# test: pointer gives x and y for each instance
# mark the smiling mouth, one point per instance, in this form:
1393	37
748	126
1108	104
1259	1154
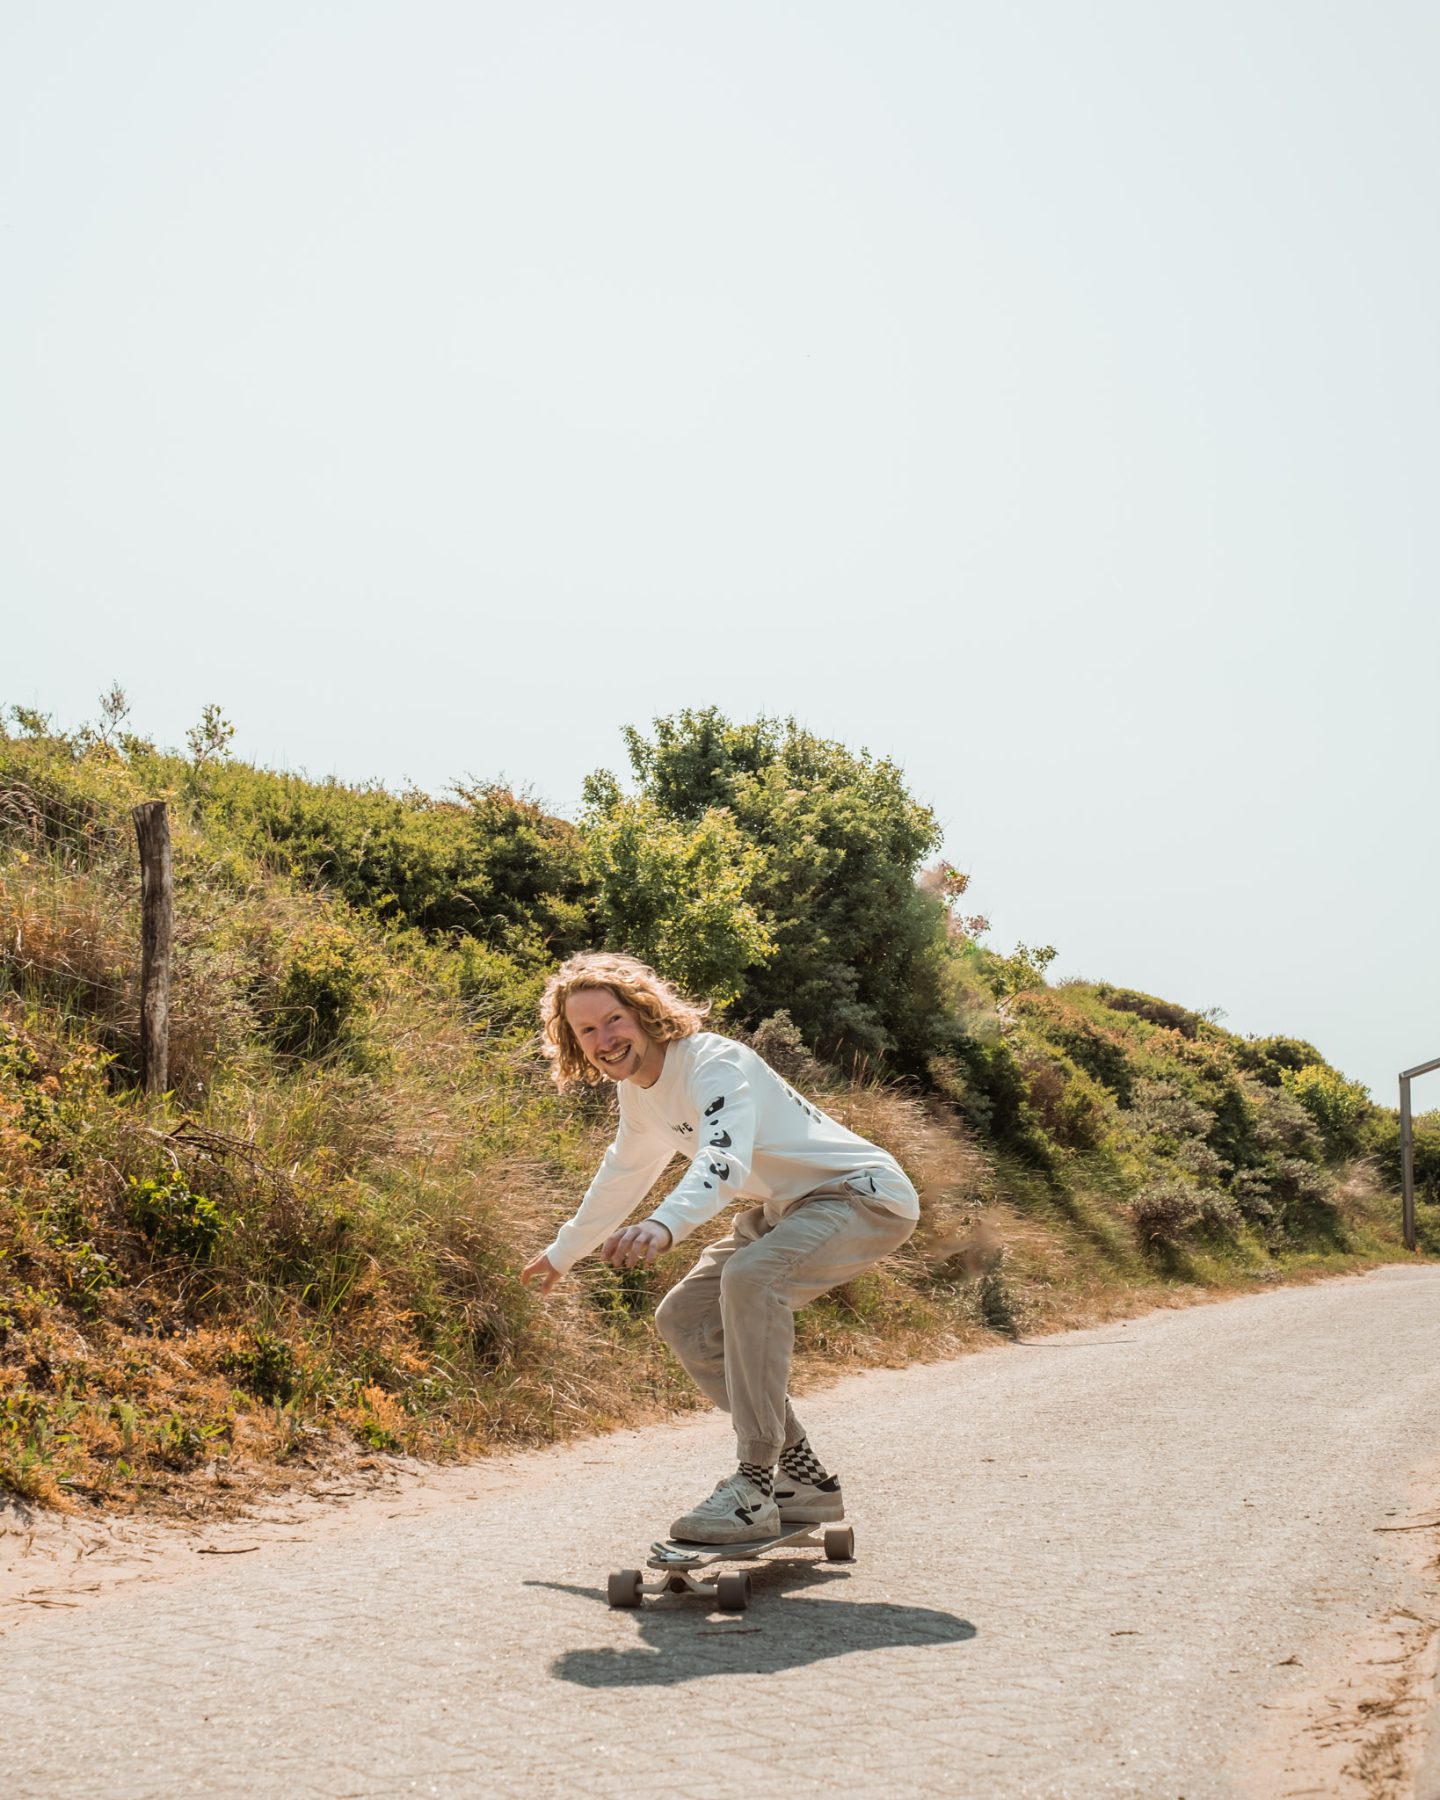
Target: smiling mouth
616	1056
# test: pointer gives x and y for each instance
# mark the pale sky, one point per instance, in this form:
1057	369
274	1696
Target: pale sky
1046	396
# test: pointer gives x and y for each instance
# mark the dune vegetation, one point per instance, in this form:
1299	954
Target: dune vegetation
308	1248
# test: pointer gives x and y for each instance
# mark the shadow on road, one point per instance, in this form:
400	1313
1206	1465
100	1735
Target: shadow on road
681	1641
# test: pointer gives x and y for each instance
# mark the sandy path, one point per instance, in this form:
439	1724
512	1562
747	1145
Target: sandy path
1141	1560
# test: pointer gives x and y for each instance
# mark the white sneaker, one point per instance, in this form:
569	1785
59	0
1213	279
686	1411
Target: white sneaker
808	1502
736	1513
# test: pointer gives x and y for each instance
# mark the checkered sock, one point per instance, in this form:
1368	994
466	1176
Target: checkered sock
801	1463
763	1477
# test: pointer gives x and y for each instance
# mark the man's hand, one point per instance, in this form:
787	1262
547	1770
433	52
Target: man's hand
637	1246
542	1271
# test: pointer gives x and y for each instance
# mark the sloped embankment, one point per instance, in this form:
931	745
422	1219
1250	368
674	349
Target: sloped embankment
309	1248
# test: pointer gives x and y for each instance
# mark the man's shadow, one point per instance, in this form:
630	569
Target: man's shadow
680	1642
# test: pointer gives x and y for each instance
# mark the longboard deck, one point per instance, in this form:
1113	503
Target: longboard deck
669	1553
680	1564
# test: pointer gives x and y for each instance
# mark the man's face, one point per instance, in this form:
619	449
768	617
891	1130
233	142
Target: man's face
612	1037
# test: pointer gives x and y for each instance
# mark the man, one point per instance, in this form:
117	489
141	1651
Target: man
825	1206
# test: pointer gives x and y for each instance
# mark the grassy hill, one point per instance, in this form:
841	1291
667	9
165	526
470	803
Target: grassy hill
309	1247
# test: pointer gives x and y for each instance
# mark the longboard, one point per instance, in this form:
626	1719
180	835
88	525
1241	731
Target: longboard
678	1563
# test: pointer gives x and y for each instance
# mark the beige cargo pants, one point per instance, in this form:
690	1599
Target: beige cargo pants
731	1321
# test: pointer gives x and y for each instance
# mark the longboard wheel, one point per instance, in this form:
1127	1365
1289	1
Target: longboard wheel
733	1592
624	1588
840	1543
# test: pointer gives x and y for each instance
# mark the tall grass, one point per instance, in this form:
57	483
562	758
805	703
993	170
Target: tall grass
311	1245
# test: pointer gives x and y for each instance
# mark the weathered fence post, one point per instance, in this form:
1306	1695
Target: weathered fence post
152	832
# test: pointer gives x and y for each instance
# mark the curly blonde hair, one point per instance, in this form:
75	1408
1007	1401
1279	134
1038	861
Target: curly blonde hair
664	1013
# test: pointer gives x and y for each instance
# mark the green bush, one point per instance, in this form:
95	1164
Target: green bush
837	842
676	892
326	975
1100	1049
1071	1106
267	1368
499	989
1337	1106
1145	1006
176	1221
1268	1058
1382	1140
983	1079
1165	1211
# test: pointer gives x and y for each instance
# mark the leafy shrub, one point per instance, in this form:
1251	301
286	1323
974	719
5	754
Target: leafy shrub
1167	1211
498	988
1165	1112
837	841
1283	1127
1159	1012
675	892
1100	1050
327	972
1071	1106
1337	1106
177	1222
778	1040
984	1079
1253	1193
995	1302
1382	1140
267	1368
1022	972
488	862
1268	1058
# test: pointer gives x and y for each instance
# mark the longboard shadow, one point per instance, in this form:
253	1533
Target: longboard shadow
681	1642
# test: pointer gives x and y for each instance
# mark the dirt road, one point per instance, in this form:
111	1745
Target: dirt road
1185	1556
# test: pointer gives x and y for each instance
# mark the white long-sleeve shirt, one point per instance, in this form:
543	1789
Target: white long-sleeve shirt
749	1136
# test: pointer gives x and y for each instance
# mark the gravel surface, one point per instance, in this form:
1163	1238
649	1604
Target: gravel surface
1141	1560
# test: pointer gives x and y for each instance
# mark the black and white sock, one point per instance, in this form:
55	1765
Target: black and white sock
762	1475
801	1463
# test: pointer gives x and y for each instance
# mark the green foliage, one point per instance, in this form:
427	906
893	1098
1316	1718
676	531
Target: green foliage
1072	1108
176	1221
490	863
328	971
1337	1106
1020	972
838	841
983	1078
1146	1006
1092	1042
498	990
1381	1139
1167	1212
267	1367
1268	1059
209	741
674	892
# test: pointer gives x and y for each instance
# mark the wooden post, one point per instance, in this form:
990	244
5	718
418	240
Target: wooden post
152	832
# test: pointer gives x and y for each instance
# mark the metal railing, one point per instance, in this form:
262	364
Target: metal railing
1407	1147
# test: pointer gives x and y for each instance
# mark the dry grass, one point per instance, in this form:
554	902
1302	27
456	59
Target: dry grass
375	1201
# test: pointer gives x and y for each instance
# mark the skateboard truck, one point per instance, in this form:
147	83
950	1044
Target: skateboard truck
677	1564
